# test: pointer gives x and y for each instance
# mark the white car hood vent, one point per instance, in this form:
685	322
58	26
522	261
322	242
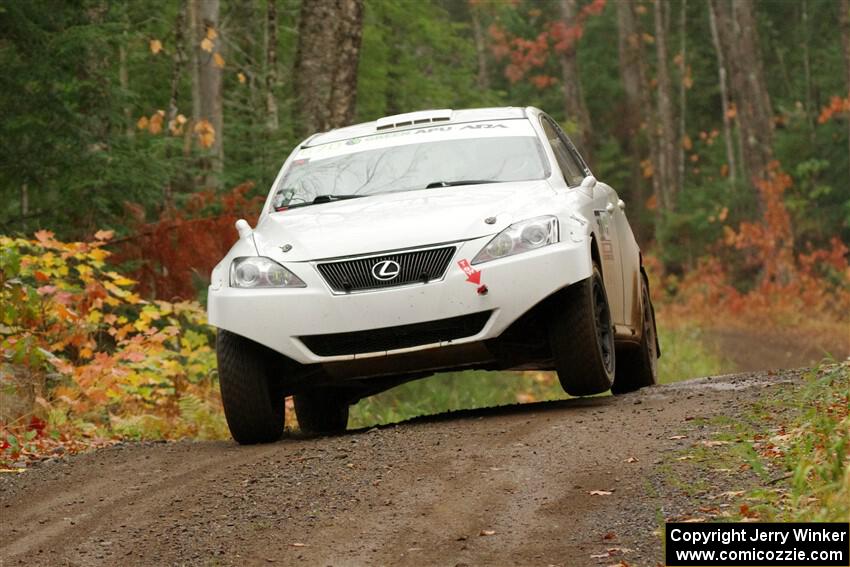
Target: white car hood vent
386	270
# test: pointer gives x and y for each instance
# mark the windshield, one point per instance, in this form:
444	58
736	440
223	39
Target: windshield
409	165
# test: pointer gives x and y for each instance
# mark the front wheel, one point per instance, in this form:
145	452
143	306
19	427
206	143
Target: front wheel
581	336
638	364
253	403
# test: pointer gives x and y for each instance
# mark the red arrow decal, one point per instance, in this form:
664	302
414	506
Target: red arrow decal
472	275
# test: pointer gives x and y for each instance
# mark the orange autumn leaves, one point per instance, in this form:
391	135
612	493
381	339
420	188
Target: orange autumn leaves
120	364
526	55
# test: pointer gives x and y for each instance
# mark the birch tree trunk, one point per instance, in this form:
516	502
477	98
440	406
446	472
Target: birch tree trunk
736	29
574	106
731	161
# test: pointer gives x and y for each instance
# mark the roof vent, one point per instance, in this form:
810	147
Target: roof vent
420	118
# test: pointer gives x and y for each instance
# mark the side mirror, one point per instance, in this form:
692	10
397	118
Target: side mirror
243	228
588	183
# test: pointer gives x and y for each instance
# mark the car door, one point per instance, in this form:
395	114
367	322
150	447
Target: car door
603	204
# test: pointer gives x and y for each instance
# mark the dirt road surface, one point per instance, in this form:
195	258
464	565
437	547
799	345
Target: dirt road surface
504	486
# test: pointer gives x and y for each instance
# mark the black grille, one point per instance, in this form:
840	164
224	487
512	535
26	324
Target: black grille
416	266
391	338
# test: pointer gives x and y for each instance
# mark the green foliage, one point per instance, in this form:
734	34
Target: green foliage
684	355
455	391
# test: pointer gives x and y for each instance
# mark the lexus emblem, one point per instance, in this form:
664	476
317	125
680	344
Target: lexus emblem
386	270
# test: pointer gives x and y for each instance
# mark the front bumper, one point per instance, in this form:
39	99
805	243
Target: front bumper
277	318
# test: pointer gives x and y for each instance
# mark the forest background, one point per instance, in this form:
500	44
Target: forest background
134	134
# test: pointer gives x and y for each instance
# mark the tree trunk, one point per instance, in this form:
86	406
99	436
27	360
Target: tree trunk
574	106
845	41
349	34
667	135
195	36
314	64
638	113
209	76
731	162
738	36
483	77
124	82
177	64
807	72
272	120
683	91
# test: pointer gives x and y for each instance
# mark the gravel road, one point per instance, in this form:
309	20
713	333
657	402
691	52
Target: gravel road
520	485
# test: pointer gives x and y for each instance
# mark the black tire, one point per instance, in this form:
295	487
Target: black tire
253	401
637	365
581	336
321	411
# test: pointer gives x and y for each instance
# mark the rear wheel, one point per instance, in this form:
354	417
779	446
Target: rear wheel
637	365
321	411
581	336
253	402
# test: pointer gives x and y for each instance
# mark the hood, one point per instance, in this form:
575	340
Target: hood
394	221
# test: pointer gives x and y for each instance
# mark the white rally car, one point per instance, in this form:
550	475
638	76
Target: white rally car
423	242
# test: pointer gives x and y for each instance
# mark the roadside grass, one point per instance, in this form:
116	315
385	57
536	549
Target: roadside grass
454	391
788	457
683	356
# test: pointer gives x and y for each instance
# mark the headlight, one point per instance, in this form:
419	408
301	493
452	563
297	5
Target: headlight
520	237
258	271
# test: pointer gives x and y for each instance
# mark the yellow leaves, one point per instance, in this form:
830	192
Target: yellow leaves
211	33
175	125
71	302
155	126
205	132
732	111
155	46
647	169
687	143
152	124
648	39
218	60
98	255
241	77
207	45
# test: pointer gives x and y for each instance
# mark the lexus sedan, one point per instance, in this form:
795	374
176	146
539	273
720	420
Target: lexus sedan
425	242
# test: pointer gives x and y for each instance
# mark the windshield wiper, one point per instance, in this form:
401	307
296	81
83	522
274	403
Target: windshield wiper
435	184
319	199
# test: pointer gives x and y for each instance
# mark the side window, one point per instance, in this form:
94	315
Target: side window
569	164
